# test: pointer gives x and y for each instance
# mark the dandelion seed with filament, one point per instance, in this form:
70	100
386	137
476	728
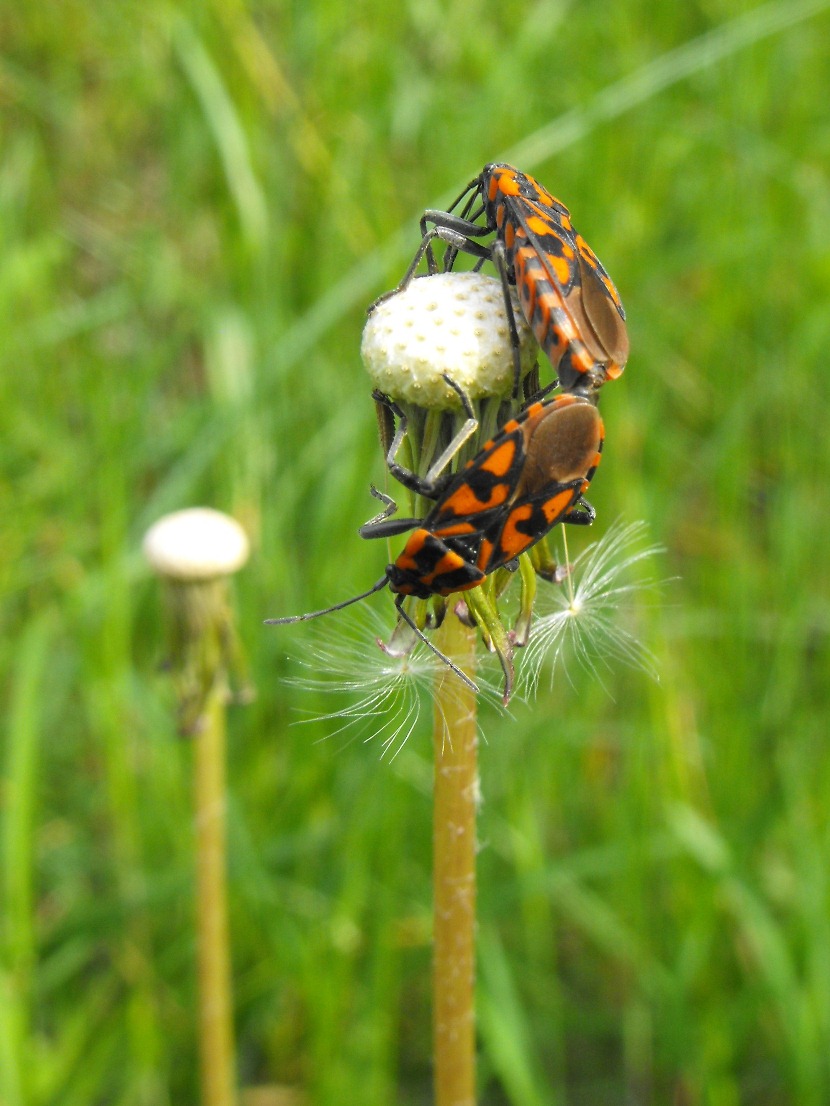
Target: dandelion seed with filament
392	691
585	622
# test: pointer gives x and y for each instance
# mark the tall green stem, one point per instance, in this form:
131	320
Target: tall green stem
215	1016
195	551
454	876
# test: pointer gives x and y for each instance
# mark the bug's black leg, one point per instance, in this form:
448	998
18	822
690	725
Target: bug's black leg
389	508
431	485
389	504
540	393
581	514
452	250
455	231
383	525
417	484
467	216
499	258
462	395
459	234
424	248
441	656
405	476
386	420
472	190
465	432
448	221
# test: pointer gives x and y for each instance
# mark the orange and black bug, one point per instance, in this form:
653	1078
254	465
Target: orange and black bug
566	294
524	481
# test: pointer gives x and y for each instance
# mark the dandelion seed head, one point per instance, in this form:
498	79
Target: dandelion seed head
449	322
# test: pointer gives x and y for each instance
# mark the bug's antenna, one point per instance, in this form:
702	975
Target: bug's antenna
382	582
441	656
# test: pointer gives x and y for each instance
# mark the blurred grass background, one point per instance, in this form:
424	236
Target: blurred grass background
197	202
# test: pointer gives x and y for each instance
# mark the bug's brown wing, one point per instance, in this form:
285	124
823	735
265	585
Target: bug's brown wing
600	319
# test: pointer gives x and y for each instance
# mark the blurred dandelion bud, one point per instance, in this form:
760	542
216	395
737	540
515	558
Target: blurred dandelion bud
194	551
196	544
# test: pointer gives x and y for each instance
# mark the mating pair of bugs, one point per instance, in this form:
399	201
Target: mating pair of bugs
533	473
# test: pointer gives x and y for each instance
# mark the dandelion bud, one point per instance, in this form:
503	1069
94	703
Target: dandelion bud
194	551
196	544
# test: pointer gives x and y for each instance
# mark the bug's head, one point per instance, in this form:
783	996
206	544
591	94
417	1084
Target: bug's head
406	581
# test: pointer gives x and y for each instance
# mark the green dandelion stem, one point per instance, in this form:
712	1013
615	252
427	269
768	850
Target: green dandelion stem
454	875
486	614
521	626
195	551
215	1007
